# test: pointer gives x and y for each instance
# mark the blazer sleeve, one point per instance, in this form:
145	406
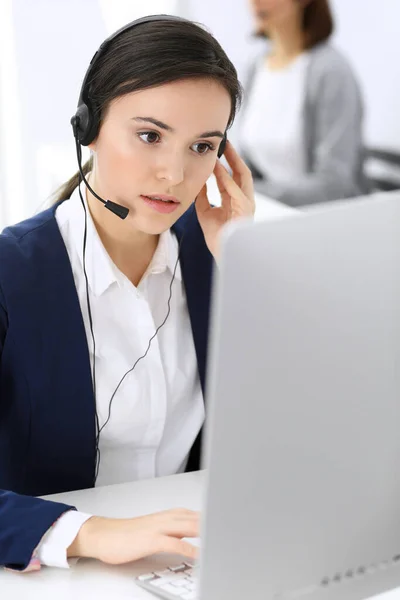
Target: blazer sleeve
3	326
336	147
23	519
23	522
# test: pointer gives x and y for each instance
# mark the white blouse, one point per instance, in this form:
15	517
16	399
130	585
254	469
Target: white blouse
271	131
158	410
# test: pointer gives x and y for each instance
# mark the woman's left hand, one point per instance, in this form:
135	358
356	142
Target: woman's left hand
237	195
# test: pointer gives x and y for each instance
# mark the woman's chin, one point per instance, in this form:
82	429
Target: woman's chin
154	224
261	28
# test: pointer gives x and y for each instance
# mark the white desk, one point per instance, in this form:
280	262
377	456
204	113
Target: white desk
91	579
266	208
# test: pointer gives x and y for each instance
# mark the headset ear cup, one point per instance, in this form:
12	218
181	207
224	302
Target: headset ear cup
87	125
80	123
222	146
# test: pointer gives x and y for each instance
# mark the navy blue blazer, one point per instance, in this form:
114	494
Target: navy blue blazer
47	406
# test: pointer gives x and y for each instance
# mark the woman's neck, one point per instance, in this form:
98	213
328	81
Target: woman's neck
287	44
129	249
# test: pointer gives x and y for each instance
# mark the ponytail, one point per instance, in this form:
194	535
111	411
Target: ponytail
65	190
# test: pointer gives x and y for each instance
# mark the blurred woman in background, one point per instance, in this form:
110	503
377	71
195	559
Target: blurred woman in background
301	125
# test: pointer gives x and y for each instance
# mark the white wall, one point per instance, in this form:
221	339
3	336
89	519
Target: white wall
44	57
51	49
230	22
368	31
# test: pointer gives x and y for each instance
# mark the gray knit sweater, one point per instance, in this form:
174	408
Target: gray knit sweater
333	114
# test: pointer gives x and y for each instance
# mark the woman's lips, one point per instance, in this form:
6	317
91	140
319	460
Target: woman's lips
167	205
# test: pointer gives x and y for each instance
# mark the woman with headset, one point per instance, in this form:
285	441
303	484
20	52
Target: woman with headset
104	299
301	125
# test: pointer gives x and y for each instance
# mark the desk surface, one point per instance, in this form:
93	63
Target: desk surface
91	579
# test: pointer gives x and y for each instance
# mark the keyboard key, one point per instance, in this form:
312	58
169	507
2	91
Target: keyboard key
159	582
189	571
181	582
163	573
190	584
176	582
168	578
146	577
168	587
178	568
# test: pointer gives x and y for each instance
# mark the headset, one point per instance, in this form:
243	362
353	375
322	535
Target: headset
85	125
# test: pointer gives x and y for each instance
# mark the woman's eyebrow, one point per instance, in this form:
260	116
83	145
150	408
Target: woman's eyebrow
161	125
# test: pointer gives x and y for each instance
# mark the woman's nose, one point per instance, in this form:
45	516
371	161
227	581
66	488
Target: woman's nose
171	169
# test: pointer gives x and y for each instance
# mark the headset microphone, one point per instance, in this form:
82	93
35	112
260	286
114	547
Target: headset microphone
117	209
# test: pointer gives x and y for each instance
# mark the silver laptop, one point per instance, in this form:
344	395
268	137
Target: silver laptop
304	401
303	434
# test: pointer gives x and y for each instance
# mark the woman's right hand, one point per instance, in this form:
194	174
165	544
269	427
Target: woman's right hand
117	541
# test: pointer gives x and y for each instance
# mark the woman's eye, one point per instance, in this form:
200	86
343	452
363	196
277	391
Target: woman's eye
203	147
152	137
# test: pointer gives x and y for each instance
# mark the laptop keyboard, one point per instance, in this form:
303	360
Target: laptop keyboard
172	583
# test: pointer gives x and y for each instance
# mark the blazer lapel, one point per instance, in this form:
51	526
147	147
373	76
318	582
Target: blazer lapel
197	267
63	399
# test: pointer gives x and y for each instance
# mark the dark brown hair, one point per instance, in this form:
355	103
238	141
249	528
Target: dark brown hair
318	24
152	54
